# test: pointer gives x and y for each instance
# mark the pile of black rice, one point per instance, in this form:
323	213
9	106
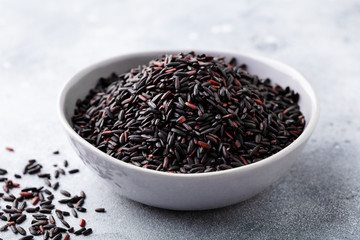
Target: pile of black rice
189	113
40	204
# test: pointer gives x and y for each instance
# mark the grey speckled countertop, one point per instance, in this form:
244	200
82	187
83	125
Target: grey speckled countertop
43	44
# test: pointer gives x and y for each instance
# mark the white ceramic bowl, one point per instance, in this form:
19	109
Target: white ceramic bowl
197	191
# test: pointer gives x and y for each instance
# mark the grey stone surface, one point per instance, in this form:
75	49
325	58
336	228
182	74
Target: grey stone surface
42	44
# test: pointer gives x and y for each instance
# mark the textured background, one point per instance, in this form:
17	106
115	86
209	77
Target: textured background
43	44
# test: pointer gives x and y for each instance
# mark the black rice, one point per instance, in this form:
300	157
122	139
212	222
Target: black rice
3	228
87	232
26	237
3	171
74	171
186	108
100	210
21	230
42	223
65	193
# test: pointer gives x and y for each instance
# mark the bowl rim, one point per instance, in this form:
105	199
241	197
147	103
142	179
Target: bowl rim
304	83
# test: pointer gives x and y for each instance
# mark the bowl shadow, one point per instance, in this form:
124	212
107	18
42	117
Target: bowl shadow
304	204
